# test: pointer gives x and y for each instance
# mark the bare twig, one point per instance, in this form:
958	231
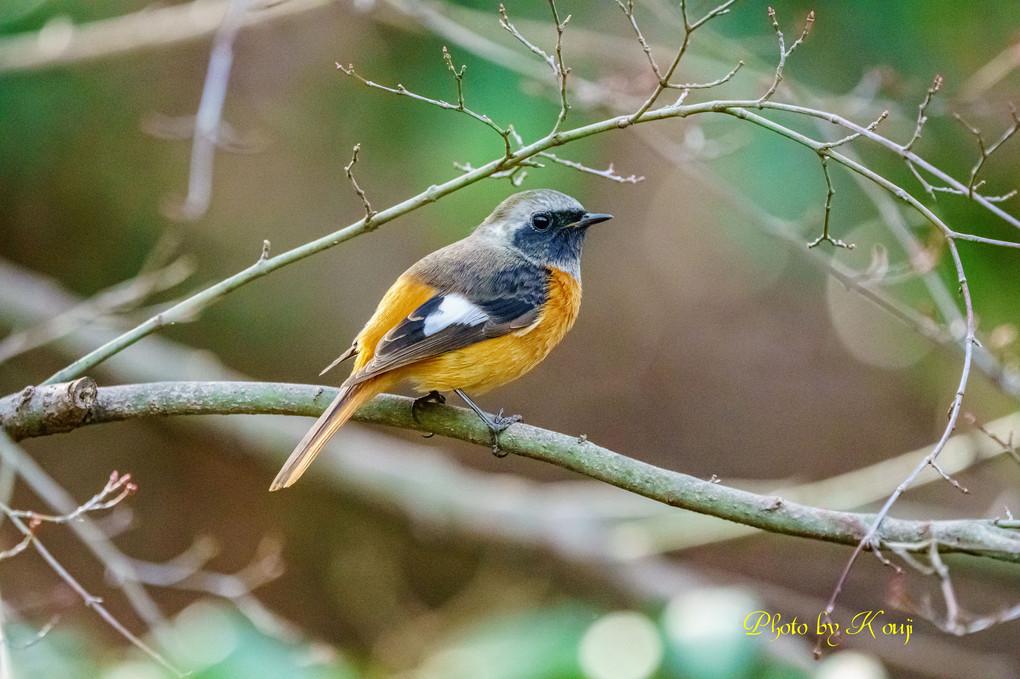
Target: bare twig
516	174
608	173
664	78
459	106
925	184
116	489
555	62
349	169
825	237
969	339
930	460
458	76
561	70
922	112
1006	444
504	21
988	151
955	620
92	537
628	11
704	86
19	547
783	52
850	137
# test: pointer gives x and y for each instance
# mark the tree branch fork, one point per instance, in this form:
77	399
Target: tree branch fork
57	408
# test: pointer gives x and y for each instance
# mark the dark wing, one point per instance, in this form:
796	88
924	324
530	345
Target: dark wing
455	320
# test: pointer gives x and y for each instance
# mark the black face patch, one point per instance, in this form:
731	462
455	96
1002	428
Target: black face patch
557	243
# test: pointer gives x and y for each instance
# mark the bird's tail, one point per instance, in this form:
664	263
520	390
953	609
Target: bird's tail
338	412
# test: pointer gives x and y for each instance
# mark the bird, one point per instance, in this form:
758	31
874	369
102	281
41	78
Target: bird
468	317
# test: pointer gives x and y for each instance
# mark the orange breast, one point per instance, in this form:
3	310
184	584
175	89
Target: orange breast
486	365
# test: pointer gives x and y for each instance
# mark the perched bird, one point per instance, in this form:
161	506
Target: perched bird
469	317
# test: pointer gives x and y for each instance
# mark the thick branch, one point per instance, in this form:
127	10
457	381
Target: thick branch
771	513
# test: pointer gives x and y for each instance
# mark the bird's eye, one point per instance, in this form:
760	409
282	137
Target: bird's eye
541	220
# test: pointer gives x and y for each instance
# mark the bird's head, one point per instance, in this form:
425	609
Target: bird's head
546	226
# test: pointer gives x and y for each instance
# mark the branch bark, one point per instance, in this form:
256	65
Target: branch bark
23	417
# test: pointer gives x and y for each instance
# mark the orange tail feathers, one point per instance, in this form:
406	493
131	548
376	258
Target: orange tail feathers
338	412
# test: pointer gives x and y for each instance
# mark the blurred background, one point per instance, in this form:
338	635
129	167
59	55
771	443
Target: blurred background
711	341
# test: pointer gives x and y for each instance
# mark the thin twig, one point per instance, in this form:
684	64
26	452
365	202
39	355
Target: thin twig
555	62
1006	444
664	78
186	572
849	138
458	76
504	21
18	548
704	86
825	237
349	169
608	173
561	70
628	11
93	602
988	151
969	339
116	489
955	621
869	538
459	107
783	52
91	536
922	109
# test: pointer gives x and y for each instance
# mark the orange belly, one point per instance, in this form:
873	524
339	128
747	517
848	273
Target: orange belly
486	365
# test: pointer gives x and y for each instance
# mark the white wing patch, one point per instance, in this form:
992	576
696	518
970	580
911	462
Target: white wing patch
452	310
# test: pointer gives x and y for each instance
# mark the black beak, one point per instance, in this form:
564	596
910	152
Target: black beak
590	218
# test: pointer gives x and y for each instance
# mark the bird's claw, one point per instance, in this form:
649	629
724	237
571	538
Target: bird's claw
419	403
497	426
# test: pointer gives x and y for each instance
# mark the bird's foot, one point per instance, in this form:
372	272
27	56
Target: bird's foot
419	403
497	425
